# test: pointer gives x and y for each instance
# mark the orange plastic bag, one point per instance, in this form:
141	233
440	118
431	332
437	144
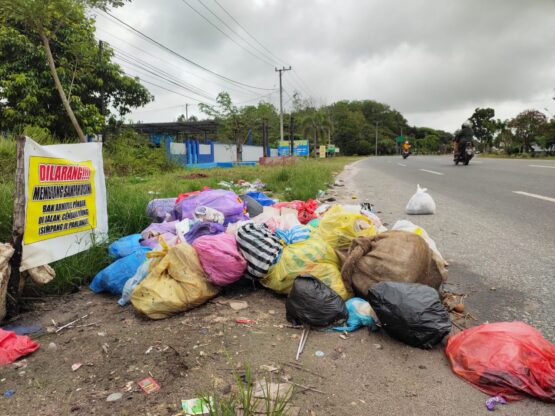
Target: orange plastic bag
509	359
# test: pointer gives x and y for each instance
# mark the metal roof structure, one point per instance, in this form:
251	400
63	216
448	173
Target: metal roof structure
186	127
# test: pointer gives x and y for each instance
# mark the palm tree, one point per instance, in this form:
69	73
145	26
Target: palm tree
318	126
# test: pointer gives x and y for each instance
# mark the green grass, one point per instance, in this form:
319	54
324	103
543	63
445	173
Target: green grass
128	197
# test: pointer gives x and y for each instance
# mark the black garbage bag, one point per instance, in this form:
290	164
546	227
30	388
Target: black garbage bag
312	302
410	312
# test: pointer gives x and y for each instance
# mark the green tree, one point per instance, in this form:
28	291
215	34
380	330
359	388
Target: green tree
484	126
43	21
317	125
527	126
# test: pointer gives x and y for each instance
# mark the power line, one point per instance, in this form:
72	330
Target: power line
183	57
225	34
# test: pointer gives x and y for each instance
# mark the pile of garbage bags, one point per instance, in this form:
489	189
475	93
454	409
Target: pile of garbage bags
322	255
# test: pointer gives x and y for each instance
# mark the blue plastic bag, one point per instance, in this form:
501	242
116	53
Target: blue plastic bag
132	283
294	235
261	198
360	315
113	278
124	246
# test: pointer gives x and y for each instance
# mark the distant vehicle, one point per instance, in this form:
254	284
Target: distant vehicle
466	153
405	153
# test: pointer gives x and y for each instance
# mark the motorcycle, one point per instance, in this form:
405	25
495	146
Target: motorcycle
466	153
405	153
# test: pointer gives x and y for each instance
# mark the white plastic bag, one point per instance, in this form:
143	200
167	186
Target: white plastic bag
421	203
406	225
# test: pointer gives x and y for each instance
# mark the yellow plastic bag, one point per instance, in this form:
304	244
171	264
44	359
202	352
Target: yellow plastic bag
339	227
175	284
312	256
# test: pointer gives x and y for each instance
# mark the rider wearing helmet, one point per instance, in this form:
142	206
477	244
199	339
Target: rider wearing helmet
406	146
464	135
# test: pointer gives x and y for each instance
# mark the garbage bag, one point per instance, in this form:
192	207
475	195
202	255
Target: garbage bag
112	278
207	214
305	210
220	258
176	284
132	283
159	210
406	225
295	234
311	302
510	359
361	315
339	227
253	206
125	246
14	346
186	195
203	228
152	233
312	256
421	203
390	256
260	247
226	202
314	223
261	198
410	312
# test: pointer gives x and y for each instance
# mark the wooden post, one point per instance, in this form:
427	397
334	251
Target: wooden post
15	282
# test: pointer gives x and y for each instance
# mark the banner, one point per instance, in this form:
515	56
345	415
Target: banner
322	151
65	201
284	148
300	148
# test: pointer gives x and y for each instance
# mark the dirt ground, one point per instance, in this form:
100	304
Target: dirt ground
197	352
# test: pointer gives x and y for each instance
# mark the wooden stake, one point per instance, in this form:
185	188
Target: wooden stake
15	282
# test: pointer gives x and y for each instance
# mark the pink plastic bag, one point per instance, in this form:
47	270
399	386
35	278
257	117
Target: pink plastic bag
508	359
13	346
220	258
305	209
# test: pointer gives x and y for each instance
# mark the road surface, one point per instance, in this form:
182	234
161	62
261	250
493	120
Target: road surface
495	224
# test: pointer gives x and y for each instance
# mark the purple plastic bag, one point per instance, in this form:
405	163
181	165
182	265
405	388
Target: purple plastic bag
203	228
151	233
227	202
161	209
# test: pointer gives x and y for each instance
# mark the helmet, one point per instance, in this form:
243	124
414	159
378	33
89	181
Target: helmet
467	123
406	142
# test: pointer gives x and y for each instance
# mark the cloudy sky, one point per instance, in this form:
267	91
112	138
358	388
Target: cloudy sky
433	60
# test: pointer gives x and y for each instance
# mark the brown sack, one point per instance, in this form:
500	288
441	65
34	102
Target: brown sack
390	256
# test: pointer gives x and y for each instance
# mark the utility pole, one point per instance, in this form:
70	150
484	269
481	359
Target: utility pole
377	122
264	139
291	136
281	100
102	102
186	112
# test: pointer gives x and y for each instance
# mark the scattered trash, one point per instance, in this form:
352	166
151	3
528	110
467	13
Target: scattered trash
319	354
360	314
410	312
52	347
238	305
245	321
261	198
269	368
101	334
508	359
20	364
378	346
459	307
198	406
9	393
114	397
302	342
23	329
13	346
421	203
207	214
493	401
76	366
339	227
149	385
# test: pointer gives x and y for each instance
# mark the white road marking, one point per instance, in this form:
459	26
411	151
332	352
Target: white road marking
542	166
400	164
431	171
545	198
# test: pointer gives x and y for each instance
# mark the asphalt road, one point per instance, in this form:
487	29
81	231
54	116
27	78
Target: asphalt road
495	224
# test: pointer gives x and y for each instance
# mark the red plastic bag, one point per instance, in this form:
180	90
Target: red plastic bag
188	194
509	359
13	346
305	209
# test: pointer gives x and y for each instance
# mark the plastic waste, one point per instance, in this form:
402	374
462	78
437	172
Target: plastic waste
176	284
186	195
260	247
312	256
421	203
183	227
203	228
494	401
406	225
294	235
312	303
314	223
132	283
261	198
125	246
508	359
361	315
113	278
339	227
390	256
220	258
274	218
253	207
410	312
305	210
207	214
14	346
152	233
226	202
159	210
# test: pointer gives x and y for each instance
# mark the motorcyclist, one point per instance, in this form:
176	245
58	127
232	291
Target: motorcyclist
465	134
406	146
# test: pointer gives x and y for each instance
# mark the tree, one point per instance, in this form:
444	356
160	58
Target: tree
231	125
44	20
484	125
527	126
318	125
